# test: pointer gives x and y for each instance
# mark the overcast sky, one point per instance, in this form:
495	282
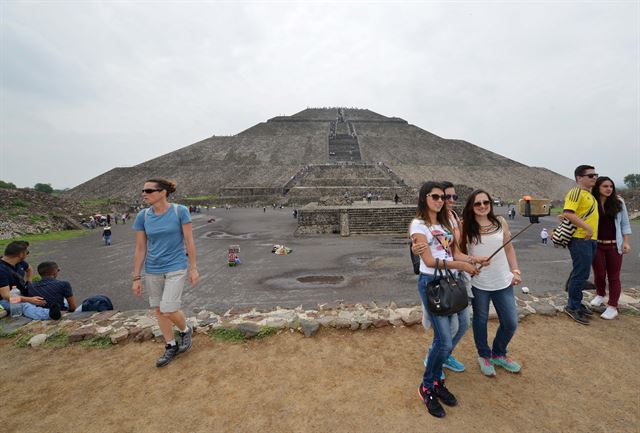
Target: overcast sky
88	86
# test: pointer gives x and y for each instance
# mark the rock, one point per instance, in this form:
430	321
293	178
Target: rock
410	316
103	331
395	319
12	324
525	290
392	305
156	332
209	321
365	324
326	321
276	322
341	323
309	327
119	336
354	325
379	323
249	329
37	340
626	299
145	322
203	315
544	308
82	334
145	334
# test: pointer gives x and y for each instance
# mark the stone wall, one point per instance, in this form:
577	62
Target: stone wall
359	220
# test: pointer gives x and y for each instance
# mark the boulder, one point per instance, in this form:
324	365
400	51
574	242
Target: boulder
309	327
38	340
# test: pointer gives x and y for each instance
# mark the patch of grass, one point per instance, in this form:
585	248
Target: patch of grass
8	334
18	202
266	331
23	341
51	236
99	342
56	340
227	334
629	312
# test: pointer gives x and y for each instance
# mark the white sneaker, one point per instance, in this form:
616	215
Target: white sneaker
609	313
597	301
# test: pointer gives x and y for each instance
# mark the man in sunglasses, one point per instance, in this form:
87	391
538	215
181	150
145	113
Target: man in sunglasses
581	209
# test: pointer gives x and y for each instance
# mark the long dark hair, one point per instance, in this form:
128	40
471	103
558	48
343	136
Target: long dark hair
612	204
470	227
422	211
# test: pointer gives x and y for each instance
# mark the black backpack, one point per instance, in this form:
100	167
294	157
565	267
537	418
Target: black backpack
97	303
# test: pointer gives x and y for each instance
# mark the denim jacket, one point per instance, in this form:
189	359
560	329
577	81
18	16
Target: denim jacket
622	226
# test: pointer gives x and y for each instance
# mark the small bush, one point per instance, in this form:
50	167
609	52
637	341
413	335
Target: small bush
266	331
56	340
18	202
23	341
227	334
99	342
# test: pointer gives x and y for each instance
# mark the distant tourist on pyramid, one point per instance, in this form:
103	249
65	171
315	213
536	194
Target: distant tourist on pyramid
396	199
581	209
162	232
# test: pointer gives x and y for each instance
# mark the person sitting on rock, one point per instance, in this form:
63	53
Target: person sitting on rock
52	290
12	275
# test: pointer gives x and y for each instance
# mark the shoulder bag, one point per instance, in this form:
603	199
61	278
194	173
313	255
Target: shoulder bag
562	234
446	294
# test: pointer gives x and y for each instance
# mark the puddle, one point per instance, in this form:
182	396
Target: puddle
321	279
225	235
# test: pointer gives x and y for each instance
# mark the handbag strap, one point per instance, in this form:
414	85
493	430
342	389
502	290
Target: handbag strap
441	244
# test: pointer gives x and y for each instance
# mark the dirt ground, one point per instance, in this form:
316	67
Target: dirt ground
574	379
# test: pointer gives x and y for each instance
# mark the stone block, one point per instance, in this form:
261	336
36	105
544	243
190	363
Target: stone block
249	329
309	327
119	335
83	333
38	340
341	323
379	323
544	308
365	324
144	335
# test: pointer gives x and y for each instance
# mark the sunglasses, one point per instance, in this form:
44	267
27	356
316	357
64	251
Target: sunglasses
453	197
590	175
436	197
151	190
482	203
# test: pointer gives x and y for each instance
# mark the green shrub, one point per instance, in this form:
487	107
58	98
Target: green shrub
266	331
23	340
100	342
18	202
227	334
56	340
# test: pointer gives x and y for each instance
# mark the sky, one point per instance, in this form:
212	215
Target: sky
89	86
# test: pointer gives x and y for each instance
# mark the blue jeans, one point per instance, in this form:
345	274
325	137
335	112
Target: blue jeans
443	341
505	304
31	311
107	240
582	254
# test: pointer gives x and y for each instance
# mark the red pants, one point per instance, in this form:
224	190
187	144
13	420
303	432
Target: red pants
607	264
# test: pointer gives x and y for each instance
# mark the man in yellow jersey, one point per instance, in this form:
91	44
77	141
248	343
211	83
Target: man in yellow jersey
581	209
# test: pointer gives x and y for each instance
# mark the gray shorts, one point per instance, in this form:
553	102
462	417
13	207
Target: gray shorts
165	290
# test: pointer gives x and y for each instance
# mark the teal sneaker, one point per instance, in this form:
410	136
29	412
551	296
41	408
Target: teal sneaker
507	363
486	367
453	364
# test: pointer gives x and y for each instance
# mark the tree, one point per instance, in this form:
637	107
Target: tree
632	180
7	185
43	187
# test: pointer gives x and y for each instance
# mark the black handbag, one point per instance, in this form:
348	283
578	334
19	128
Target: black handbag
446	294
415	260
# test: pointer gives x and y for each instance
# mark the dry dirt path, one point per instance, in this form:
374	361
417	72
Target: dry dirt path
574	379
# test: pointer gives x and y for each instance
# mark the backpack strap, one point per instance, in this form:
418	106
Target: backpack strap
173	205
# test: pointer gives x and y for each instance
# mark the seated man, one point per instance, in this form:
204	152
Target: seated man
12	274
52	290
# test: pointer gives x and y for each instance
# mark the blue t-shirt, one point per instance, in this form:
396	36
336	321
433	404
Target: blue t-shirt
165	241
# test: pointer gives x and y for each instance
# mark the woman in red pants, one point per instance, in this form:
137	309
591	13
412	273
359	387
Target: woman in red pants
613	241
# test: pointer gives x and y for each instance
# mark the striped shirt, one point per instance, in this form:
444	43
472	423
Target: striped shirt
53	291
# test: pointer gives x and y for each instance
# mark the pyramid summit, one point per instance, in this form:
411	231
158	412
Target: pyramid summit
321	152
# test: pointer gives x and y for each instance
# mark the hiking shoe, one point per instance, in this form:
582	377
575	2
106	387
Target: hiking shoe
507	363
586	311
54	312
597	301
486	367
576	315
185	340
610	313
170	352
429	399
453	364
444	394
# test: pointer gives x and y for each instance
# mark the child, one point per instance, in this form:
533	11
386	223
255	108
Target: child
106	234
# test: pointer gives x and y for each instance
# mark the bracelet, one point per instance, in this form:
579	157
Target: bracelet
137	277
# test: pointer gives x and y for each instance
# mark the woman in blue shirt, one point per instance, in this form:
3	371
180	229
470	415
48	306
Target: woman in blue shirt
162	232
